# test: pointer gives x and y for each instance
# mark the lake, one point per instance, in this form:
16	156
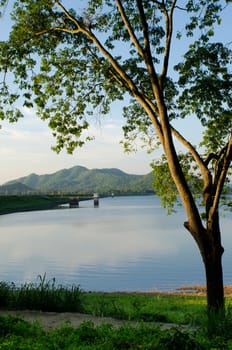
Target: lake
126	244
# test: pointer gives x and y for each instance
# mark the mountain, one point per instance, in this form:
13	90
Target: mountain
82	180
15	188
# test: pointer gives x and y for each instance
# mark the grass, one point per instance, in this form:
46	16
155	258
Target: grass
18	203
43	295
147	309
11	204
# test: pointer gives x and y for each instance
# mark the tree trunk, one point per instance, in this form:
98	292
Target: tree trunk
209	243
214	279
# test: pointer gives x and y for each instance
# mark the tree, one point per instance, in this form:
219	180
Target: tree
70	63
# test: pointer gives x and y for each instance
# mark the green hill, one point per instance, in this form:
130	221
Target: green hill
15	188
82	180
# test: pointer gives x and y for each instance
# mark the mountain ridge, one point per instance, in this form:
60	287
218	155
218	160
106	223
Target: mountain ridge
84	180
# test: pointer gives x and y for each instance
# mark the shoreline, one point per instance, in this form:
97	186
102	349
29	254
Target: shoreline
35	205
193	290
19	210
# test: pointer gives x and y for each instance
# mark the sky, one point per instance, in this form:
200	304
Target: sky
25	146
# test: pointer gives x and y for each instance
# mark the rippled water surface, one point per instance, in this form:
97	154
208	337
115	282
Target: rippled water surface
128	243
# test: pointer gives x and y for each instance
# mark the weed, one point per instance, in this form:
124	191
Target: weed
218	324
176	339
5	293
44	296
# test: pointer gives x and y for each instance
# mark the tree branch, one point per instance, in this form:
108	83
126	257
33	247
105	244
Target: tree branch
58	29
129	27
206	175
145	56
169	30
189	147
73	19
222	172
147	50
209	157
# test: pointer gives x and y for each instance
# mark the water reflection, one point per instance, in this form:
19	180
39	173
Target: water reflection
127	243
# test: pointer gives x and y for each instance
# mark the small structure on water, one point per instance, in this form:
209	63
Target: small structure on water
95	200
74	202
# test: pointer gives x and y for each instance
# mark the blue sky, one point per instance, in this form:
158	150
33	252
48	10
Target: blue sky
25	147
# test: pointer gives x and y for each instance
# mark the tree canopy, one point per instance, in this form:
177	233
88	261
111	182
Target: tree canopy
72	63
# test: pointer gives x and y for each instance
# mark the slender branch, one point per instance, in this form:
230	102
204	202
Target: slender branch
58	29
169	30
181	8
129	27
206	175
218	163
147	52
158	2
190	148
68	15
209	157
222	172
162	4
112	72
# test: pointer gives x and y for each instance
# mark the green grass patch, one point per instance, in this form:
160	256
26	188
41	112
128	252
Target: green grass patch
145	307
10	204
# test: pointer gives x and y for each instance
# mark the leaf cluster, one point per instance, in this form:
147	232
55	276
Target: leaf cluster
165	186
206	82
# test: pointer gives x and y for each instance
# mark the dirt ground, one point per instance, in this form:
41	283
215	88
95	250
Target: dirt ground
51	320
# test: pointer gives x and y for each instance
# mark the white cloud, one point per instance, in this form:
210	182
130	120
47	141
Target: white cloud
25	147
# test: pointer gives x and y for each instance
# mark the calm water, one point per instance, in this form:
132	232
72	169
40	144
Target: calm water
128	243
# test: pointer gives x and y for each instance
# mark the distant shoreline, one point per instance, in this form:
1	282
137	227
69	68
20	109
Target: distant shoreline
20	210
24	203
14	204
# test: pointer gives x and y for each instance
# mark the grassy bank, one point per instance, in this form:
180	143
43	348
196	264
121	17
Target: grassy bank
12	204
45	295
147	309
